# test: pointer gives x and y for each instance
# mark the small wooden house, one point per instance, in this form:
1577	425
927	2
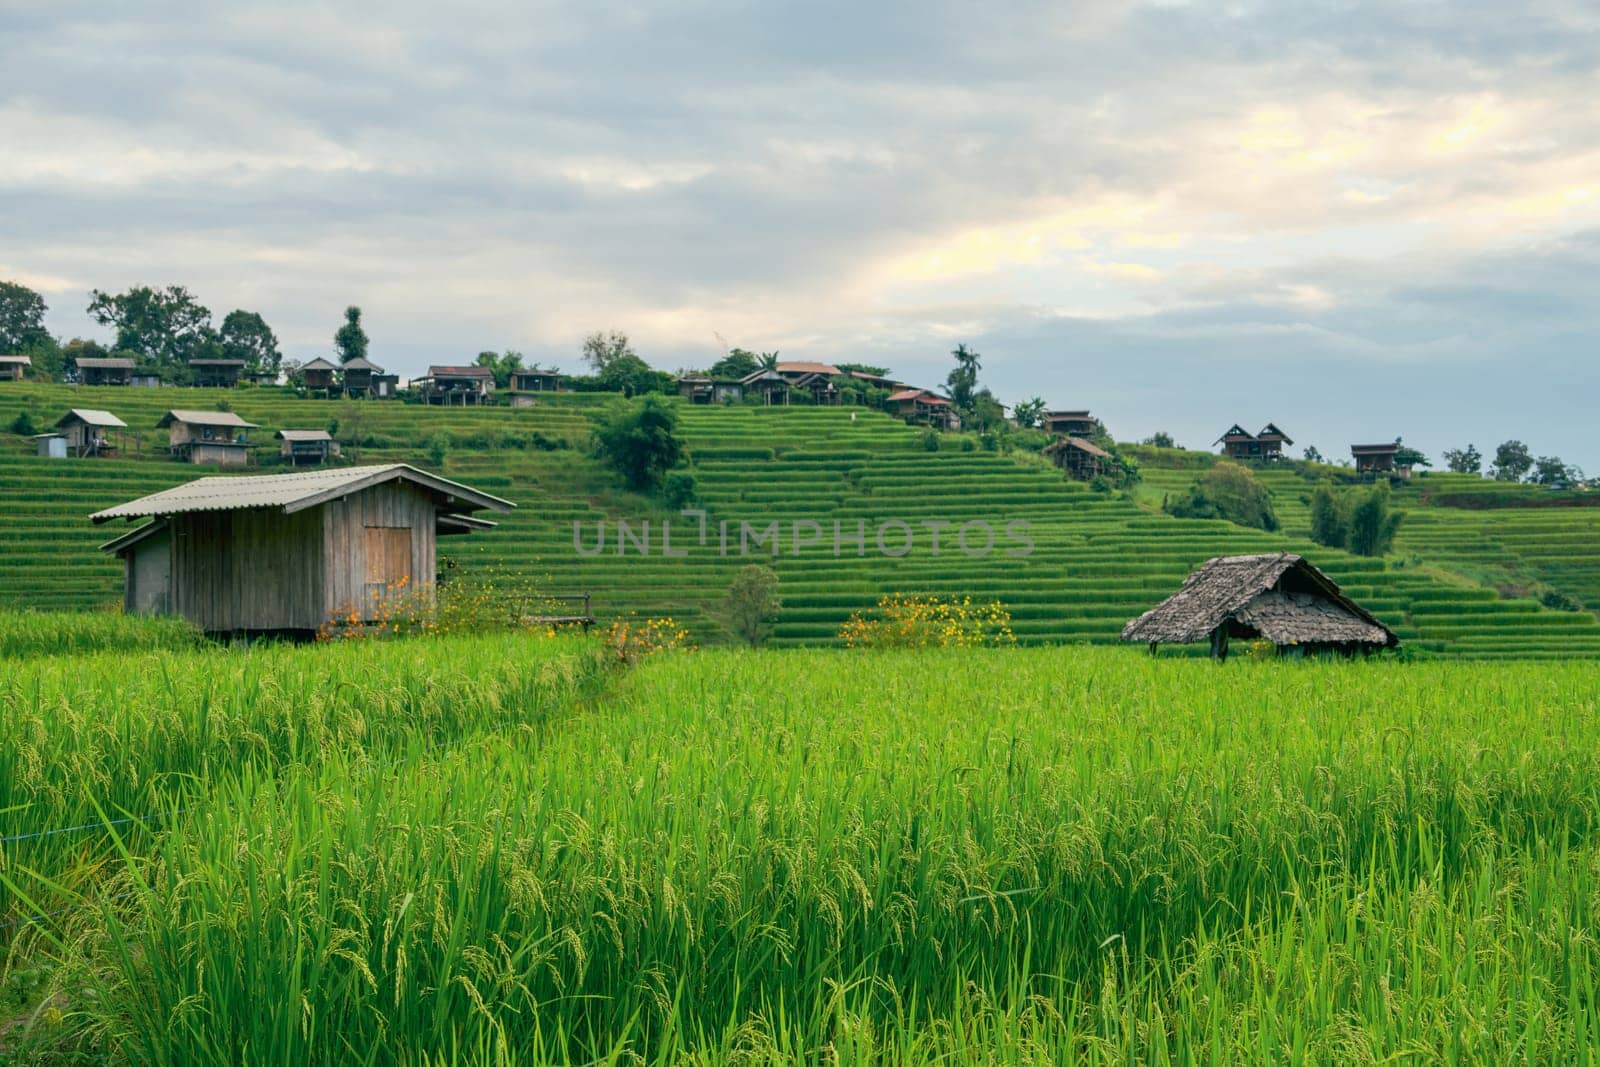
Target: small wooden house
320	375
303	448
457	385
1080	459
218	437
817	379
110	370
1070	423
285	553
769	385
1375	459
1271	441
1279	597
14	368
84	430
216	373
922	408
1239	443
362	379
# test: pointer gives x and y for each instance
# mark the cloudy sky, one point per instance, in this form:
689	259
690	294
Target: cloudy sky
1356	221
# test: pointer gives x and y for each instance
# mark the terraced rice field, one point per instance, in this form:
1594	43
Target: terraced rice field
1096	560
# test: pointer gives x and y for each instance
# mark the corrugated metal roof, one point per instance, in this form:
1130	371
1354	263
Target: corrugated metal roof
216	363
25	361
203	418
803	367
108	363
92	417
303	435
364	364
459	372
319	364
294	492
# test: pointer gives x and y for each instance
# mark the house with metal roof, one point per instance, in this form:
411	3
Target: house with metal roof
1280	597
84	430
216	373
218	437
320	375
304	448
286	553
107	370
456	385
363	378
14	368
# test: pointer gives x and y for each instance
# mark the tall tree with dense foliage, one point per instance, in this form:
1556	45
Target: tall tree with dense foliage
21	319
602	349
1512	462
1554	472
1160	439
1464	460
166	327
501	364
245	335
737	363
350	340
1029	413
962	382
640	442
1372	523
1406	456
1328	525
1312	454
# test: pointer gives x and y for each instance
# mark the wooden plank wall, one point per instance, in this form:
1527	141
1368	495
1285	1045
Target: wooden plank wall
253	569
149	576
345	524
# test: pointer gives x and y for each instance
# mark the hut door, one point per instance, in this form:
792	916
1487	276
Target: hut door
388	563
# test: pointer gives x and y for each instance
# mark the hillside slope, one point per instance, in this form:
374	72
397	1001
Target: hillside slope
1096	559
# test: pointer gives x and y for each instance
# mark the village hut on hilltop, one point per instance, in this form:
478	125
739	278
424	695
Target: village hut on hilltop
1279	597
286	553
14	368
107	370
320	375
218	437
1080	459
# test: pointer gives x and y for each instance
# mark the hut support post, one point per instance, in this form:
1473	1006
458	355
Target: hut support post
1219	642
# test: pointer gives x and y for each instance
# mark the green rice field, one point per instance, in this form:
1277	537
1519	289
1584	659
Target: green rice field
511	850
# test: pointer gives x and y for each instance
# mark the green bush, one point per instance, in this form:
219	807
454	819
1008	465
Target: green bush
930	441
640	442
678	490
1226	491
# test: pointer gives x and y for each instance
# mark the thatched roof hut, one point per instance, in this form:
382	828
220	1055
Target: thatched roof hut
1280	597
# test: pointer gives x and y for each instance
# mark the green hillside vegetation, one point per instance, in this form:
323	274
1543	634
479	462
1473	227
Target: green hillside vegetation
1098	558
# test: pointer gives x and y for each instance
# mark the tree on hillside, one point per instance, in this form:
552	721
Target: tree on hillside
1160	439
1464	460
640	442
1311	455
166	327
736	364
1406	456
245	335
502	364
1327	518
962	382
986	413
350	340
1029	413
1551	471
600	350
21	319
1512	462
863	368
1227	491
752	604
1372	524
1361	522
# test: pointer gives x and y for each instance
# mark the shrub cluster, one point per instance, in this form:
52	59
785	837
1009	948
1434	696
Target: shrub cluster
922	621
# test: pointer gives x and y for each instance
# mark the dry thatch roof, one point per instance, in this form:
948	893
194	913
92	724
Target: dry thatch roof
1280	596
1080	444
